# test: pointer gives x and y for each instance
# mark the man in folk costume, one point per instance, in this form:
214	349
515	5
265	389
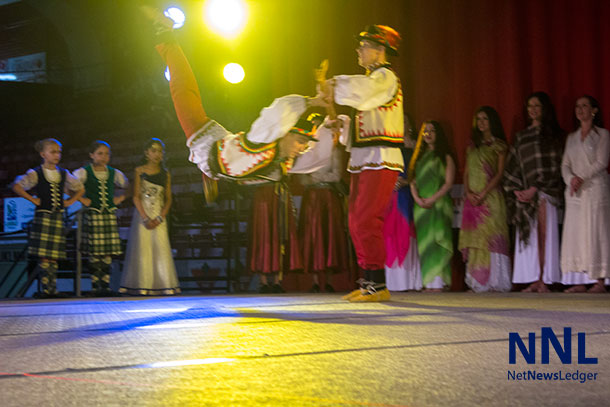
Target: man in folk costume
374	144
267	152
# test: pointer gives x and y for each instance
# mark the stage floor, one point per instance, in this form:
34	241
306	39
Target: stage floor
420	349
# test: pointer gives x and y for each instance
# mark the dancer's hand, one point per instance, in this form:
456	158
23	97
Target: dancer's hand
150	224
334	125
526	195
427	203
400	183
318	100
118	199
327	89
85	201
70	202
575	185
473	198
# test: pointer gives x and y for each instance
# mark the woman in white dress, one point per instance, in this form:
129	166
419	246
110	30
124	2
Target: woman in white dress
149	267
585	248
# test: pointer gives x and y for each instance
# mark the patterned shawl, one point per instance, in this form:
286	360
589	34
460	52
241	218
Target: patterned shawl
531	162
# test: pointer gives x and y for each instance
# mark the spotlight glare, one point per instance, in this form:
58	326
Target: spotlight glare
234	73
166	73
176	15
226	16
8	77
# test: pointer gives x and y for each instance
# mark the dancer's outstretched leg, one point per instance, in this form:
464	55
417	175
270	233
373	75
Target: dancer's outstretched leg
183	85
183	88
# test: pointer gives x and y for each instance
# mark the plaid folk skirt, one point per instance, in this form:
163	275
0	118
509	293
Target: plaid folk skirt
46	237
100	234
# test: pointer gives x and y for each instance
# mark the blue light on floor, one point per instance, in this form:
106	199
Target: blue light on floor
157	310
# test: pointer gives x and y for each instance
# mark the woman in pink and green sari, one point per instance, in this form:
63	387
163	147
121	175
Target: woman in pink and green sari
484	233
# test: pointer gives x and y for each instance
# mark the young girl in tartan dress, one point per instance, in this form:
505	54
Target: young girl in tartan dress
100	240
46	239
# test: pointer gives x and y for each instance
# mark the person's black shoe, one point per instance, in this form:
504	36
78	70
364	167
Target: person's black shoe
277	289
329	288
314	288
265	289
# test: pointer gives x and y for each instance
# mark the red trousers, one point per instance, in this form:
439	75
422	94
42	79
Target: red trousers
183	88
369	197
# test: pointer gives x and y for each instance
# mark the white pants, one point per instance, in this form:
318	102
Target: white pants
527	263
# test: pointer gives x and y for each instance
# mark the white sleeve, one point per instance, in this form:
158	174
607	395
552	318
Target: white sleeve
81	174
333	172
120	179
275	121
364	92
344	138
201	143
321	151
73	183
28	180
316	157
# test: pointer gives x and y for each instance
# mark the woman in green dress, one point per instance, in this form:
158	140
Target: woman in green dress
484	232
434	173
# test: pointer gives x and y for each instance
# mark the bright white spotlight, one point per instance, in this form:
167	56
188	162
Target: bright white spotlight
226	16
176	15
166	73
8	77
233	73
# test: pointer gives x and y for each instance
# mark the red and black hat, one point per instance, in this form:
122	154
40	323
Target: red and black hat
305	128
383	35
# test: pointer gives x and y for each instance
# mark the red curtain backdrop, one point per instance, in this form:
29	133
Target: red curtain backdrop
466	53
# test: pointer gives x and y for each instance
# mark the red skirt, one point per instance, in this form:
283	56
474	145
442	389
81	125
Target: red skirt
322	231
264	248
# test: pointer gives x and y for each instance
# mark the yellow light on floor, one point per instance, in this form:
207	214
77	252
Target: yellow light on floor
227	17
234	73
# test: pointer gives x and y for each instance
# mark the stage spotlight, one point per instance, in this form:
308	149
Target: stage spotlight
8	77
176	15
166	73
227	17
234	73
